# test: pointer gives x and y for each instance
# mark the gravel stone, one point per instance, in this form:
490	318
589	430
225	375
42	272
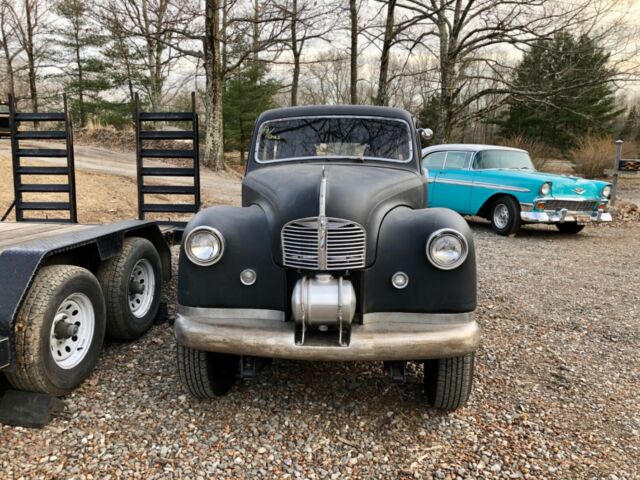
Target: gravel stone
555	394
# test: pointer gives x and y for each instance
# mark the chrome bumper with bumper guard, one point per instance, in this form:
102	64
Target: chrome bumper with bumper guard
562	216
381	336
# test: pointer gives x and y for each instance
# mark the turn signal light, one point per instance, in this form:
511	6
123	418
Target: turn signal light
540	205
602	206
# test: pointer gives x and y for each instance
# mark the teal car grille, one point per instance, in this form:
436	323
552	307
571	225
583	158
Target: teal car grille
571	205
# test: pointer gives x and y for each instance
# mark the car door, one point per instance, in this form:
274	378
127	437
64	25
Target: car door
432	165
452	186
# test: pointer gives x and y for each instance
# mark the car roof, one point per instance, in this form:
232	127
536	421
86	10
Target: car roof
467	147
321	110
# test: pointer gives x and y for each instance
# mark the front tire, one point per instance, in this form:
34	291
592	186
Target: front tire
569	227
448	381
59	331
206	374
132	285
505	216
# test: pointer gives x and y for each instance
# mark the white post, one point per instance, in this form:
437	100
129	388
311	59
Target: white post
616	166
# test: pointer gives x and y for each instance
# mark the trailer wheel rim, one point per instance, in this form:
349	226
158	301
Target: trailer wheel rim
142	288
72	331
501	216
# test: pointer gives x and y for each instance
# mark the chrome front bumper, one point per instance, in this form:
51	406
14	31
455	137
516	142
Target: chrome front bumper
381	336
562	216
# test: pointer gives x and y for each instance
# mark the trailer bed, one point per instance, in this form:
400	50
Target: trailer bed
24	246
17	234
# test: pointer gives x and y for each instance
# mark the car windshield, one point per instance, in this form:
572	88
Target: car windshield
371	138
509	159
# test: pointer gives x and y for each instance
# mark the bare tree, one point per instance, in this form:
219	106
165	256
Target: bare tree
10	48
308	21
29	22
462	33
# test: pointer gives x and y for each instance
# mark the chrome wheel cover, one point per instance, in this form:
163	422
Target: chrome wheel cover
501	216
142	288
72	331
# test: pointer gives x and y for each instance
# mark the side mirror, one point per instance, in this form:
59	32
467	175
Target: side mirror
425	133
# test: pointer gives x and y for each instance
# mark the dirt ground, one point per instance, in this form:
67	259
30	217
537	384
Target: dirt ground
555	395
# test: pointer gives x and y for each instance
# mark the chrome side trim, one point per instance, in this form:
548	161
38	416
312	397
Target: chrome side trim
383	336
481	185
416	318
231	313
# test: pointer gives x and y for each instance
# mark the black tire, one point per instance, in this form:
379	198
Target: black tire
569	227
448	381
510	207
206	374
115	277
36	369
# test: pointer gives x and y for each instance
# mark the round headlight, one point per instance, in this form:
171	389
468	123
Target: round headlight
447	249
545	189
204	246
606	191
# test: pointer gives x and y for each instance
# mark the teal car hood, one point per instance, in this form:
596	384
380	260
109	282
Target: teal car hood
561	185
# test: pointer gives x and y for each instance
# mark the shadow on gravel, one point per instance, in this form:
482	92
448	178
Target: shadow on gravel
526	231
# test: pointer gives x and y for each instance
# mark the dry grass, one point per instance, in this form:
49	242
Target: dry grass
540	153
593	155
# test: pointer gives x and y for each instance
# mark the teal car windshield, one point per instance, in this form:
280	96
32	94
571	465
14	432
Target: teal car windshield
508	159
306	138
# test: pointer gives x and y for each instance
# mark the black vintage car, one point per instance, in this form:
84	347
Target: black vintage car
333	256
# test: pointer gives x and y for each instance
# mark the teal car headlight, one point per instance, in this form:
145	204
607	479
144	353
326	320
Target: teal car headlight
545	188
204	246
447	249
606	191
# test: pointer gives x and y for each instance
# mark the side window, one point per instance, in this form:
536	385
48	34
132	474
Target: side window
478	163
434	161
457	160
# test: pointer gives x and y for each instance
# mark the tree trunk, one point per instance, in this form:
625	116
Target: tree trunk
443	129
31	62
296	53
354	51
214	148
9	63
295	81
255	41
389	33
80	73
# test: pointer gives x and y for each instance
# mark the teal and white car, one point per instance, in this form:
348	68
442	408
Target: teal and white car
502	185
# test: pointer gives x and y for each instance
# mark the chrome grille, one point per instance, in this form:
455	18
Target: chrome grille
321	243
571	205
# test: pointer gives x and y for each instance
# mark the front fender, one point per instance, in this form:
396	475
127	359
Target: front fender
247	245
402	248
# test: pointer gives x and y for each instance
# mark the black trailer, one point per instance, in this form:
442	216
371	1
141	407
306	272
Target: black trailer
64	286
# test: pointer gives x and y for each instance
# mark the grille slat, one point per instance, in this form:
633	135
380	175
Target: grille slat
571	205
345	244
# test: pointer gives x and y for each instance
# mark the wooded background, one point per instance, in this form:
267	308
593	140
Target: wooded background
539	72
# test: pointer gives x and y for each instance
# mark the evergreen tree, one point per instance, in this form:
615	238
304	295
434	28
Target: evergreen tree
85	73
247	94
562	91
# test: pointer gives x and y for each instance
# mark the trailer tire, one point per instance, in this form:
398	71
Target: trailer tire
57	294
130	313
448	381
206	374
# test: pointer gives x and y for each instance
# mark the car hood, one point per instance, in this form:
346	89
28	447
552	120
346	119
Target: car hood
561	185
359	193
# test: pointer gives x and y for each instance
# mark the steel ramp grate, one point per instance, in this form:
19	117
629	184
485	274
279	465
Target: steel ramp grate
150	151
21	172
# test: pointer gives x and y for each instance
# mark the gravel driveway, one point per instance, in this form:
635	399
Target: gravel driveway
556	392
